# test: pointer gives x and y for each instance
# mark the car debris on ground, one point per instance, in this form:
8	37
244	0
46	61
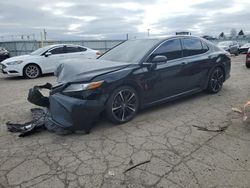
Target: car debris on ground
41	118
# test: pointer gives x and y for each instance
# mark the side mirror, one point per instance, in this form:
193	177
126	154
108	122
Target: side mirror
159	59
47	54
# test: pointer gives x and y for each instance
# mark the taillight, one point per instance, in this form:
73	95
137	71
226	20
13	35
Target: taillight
98	53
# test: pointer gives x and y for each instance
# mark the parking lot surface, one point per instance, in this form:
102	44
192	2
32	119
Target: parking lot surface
180	155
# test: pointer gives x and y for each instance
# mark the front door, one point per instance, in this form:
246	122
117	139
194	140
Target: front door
51	62
167	79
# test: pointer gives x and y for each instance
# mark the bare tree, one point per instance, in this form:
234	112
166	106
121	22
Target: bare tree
241	33
222	35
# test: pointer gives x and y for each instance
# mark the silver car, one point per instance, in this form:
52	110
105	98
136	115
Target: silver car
231	46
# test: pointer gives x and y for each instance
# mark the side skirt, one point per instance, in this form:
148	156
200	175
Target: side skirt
174	97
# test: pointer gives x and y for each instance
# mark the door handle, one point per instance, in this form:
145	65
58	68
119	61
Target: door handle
183	63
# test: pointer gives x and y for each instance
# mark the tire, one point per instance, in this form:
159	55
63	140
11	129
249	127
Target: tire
122	106
216	80
248	65
31	71
237	53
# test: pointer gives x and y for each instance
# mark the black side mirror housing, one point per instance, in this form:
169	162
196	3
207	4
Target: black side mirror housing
159	59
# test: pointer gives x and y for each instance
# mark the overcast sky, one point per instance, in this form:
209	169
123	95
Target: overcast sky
112	19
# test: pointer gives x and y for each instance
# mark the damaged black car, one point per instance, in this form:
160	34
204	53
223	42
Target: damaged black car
133	75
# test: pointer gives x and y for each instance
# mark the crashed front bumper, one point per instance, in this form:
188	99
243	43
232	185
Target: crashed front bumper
72	113
67	112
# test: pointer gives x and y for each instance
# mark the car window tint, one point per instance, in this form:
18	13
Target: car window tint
171	49
81	49
71	49
192	46
59	50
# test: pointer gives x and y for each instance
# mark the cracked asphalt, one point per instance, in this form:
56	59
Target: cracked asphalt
180	155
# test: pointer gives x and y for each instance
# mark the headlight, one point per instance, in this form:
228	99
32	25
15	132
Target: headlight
82	87
14	62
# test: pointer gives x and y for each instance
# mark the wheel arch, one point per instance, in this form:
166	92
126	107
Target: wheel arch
129	84
32	63
108	106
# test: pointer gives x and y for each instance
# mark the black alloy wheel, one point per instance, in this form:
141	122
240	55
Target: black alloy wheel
123	105
216	80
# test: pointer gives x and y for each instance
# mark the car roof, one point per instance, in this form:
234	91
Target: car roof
168	37
57	45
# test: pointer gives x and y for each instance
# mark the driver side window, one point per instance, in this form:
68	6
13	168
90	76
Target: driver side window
170	48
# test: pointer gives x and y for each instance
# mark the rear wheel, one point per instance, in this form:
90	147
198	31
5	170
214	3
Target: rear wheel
31	71
123	104
216	80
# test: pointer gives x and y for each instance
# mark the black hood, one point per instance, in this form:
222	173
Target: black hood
74	70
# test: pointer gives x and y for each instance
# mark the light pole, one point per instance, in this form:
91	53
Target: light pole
148	32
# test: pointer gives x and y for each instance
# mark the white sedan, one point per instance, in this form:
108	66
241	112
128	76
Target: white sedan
45	60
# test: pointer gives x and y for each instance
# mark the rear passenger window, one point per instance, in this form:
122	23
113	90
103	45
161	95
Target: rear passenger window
81	49
171	49
71	49
192	46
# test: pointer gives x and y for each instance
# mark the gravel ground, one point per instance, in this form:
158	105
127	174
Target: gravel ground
179	154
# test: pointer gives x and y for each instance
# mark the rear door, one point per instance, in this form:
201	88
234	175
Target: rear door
197	62
72	52
80	52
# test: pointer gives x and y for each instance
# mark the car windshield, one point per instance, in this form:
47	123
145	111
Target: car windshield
225	43
39	51
131	51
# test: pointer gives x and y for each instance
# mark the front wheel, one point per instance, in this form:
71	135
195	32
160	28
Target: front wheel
31	71
123	104
248	65
216	80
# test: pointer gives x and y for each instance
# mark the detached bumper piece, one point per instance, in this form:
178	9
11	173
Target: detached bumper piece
41	121
25	129
36	97
62	115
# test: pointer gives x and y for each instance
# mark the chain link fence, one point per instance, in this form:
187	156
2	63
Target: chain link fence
25	47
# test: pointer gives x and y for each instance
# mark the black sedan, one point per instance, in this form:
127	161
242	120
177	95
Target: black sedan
134	75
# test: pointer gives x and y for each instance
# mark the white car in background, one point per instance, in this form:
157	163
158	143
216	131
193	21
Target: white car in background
45	60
